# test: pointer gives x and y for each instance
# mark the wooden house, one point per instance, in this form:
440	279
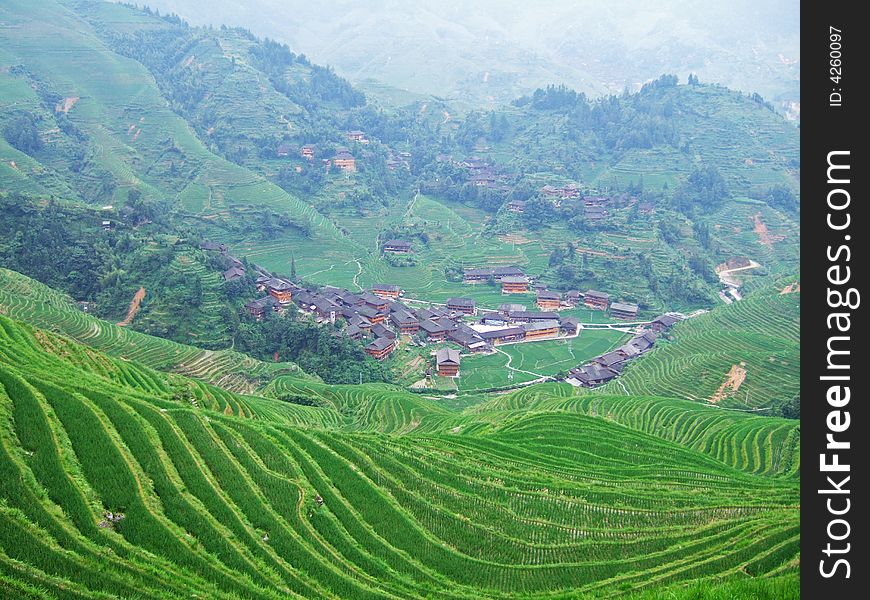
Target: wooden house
447	362
405	321
380	348
344	160
663	323
376	302
280	290
592	375
385	290
596	300
503	336
541	329
258	308
569	325
397	246
307	151
516	206
434	331
514	284
461	305
547	300
234	273
623	311
485	274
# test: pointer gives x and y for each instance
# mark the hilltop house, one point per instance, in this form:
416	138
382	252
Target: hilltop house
447	362
547	300
623	311
344	160
357	136
307	151
596	300
514	284
461	305
397	246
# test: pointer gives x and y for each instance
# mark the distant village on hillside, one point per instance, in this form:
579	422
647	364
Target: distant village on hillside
381	318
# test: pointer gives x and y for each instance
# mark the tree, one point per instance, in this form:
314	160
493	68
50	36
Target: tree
292	267
22	134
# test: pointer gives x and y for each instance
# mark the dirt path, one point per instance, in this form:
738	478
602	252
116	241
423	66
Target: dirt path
134	307
735	378
358	273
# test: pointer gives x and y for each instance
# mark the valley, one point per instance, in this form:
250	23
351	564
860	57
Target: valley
267	332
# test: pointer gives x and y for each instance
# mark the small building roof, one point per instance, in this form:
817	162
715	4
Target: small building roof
514	279
548	295
540	325
233	273
380	343
397	244
447	355
597	295
385	287
624	307
467	302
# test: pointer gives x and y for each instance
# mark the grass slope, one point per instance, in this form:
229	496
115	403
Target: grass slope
535	502
760	334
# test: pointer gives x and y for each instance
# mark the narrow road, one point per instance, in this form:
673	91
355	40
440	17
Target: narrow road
358	273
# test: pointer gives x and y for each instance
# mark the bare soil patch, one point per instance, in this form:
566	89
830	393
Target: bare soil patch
733	380
134	307
66	105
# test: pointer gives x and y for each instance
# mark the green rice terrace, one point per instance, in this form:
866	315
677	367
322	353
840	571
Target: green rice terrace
116	473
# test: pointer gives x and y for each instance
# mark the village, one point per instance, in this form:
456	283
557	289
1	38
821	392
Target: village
383	319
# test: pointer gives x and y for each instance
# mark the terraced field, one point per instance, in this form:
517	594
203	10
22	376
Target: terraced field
759	335
529	361
25	298
532	494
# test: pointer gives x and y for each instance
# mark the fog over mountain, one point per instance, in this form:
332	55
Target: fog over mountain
494	50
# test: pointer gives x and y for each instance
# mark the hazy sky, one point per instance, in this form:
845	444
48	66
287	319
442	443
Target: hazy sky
493	50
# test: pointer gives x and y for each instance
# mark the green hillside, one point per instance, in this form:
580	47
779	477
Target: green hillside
24	298
756	339
527	500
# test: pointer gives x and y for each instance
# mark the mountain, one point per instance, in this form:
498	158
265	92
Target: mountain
490	52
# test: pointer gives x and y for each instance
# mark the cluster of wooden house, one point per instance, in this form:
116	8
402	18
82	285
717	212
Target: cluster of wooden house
378	314
609	365
514	281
